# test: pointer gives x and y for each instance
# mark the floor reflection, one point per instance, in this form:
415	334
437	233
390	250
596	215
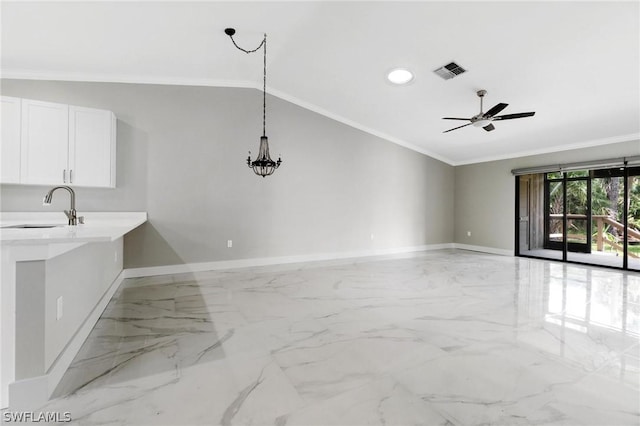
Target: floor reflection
589	317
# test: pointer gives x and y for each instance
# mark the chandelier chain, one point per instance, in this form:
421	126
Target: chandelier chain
249	51
264	88
264	78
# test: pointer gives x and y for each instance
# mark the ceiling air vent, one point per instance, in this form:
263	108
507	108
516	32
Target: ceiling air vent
449	71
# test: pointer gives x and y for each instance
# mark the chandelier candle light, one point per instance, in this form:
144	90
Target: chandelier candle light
263	165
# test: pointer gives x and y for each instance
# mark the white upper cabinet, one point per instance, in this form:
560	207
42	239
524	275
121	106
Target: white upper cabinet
92	149
46	143
10	146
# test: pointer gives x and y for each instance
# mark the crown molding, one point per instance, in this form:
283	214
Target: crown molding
178	81
579	145
246	84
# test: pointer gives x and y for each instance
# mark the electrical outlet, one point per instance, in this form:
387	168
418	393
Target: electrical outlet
372	236
59	308
229	243
468	233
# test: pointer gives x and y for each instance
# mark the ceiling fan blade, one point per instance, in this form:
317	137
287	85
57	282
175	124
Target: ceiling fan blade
464	125
489	127
496	109
512	116
455	118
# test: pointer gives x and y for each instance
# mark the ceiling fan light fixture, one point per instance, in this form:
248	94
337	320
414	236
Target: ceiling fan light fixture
400	76
481	123
484	119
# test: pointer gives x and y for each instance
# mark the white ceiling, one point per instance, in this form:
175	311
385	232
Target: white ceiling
576	64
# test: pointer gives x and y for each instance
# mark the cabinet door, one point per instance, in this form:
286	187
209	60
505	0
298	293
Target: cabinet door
44	147
91	147
10	145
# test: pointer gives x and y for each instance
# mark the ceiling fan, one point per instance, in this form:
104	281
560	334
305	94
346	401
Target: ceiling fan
484	119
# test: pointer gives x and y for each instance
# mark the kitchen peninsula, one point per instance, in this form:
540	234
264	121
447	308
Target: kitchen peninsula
56	281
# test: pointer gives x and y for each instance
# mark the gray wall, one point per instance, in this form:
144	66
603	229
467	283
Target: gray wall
81	277
485	192
181	153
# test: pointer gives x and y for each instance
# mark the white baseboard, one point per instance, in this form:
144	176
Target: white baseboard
281	260
483	249
34	392
266	261
28	394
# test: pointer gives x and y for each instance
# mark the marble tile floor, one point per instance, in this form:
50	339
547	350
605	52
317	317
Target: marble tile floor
447	337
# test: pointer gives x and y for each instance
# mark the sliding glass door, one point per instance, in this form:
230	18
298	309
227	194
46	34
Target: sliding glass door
530	214
554	211
578	212
568	211
589	216
607	205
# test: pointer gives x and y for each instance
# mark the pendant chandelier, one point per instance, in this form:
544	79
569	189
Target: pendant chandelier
263	165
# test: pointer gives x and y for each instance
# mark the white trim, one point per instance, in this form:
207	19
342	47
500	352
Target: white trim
28	394
587	144
356	125
483	249
246	84
31	393
265	261
124	78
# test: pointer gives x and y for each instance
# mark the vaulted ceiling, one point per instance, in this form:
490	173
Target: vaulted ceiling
576	64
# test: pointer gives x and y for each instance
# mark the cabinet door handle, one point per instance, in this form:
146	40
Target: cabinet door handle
70	176
64	176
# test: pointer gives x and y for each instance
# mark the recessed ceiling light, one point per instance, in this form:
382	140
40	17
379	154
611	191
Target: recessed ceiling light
400	76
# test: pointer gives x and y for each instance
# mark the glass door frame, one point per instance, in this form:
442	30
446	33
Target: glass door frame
628	172
548	244
565	245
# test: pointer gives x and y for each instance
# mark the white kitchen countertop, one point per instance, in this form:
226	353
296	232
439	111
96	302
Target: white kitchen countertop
98	226
18	245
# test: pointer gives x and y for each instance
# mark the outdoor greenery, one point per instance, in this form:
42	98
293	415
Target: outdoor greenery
607	199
